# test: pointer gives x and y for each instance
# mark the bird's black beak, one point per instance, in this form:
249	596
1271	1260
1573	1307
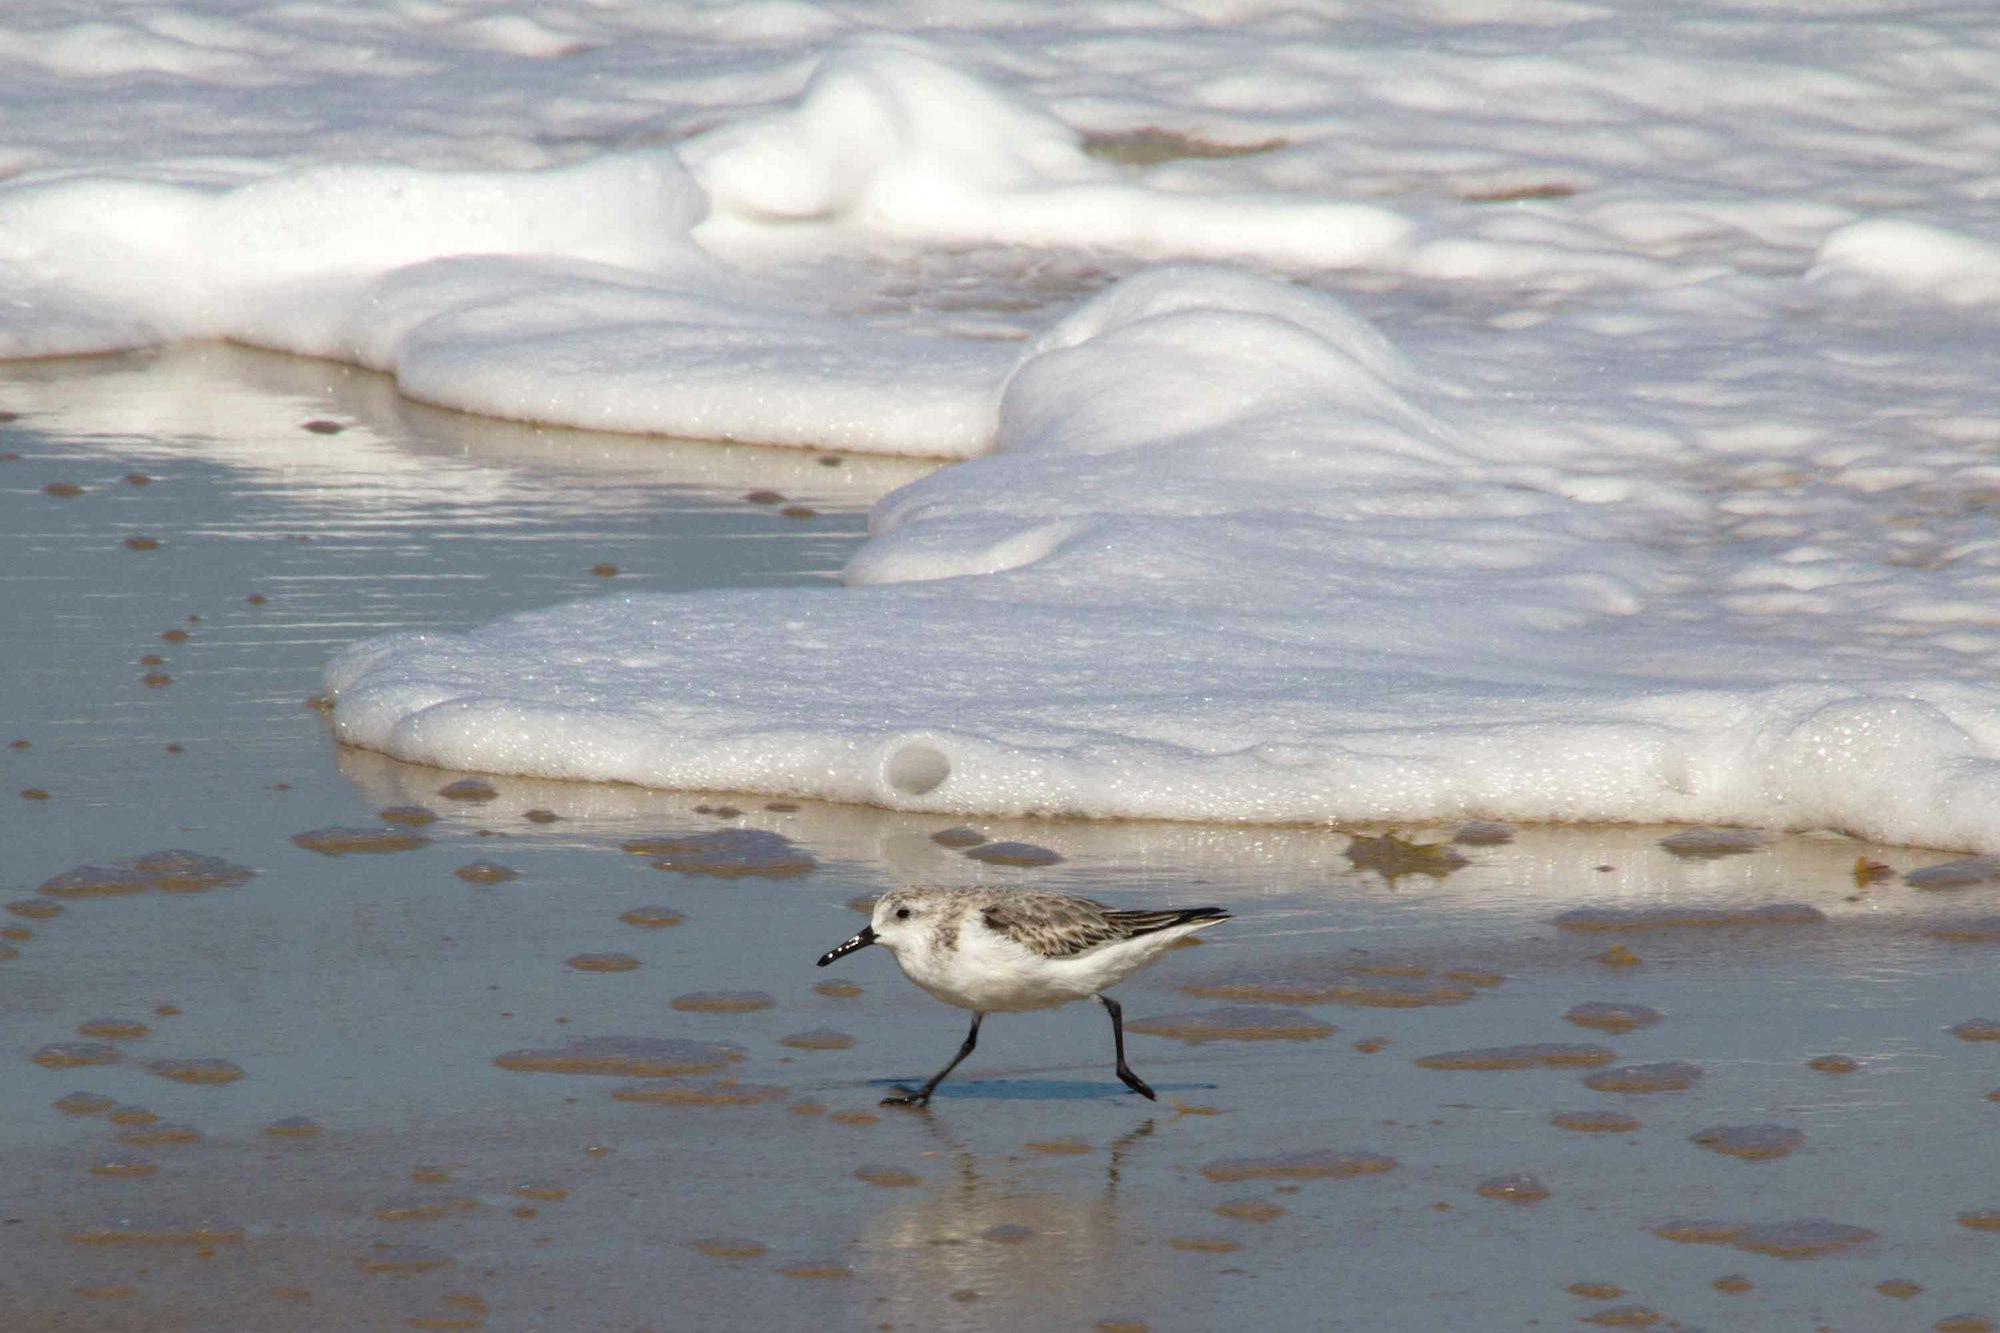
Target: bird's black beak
861	941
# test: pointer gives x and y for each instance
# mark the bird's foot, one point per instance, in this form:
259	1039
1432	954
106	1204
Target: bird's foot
1137	1084
904	1097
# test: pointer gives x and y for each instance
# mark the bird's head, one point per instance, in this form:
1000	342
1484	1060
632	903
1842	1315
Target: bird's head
897	918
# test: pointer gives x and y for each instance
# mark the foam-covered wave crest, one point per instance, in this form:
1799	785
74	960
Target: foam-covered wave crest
1297	594
573	296
890	137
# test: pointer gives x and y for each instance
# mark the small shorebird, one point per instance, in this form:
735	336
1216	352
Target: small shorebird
1010	950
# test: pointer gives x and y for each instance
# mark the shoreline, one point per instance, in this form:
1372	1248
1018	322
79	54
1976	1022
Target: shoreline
376	1166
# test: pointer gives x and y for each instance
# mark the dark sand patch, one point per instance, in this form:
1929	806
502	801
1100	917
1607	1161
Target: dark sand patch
1593	1122
358	841
1312	1165
1753	1143
732	853
1013	854
1249	1210
207	1070
1537	1055
173	870
1662	1076
722	1092
625	1057
603	962
84	1103
1959	874
1609	1017
651	918
1234	1023
1151	145
1517	1187
723	1001
1708	844
817	1039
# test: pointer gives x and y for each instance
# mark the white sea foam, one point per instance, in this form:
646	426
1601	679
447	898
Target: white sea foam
1609	487
1232	558
570	295
889	138
1899	257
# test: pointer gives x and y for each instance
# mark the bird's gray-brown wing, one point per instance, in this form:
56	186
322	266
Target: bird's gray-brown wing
1058	926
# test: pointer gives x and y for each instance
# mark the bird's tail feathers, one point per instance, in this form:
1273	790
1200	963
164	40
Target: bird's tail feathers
1145	922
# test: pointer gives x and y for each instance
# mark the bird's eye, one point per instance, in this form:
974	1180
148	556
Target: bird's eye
902	914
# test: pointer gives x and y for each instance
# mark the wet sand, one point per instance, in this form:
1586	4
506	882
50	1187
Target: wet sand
531	1055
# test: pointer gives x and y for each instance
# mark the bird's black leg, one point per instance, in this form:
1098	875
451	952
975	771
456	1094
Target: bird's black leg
1125	1074
922	1096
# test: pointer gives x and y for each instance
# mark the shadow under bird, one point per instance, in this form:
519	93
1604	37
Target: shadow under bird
1012	950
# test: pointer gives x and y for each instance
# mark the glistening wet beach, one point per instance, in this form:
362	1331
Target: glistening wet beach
257	1084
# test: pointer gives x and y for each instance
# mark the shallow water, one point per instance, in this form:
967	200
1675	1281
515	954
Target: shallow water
719	1164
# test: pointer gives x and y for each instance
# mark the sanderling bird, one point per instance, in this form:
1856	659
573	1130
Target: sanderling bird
1010	950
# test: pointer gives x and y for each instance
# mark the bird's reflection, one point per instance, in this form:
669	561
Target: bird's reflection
1046	1234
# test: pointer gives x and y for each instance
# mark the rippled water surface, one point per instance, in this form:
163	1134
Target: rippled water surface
382	1048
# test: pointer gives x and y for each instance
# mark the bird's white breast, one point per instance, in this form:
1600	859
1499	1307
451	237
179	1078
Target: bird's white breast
989	972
